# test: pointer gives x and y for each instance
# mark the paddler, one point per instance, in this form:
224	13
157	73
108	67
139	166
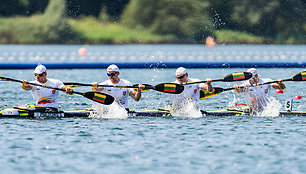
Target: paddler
120	94
44	96
257	97
191	91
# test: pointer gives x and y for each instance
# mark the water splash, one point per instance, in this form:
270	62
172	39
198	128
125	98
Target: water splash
113	111
271	109
188	110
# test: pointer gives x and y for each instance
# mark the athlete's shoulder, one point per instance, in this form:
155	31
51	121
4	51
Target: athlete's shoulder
106	82
193	80
54	80
126	82
263	80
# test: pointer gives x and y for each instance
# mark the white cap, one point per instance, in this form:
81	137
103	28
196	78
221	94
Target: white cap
180	71
253	71
113	68
40	69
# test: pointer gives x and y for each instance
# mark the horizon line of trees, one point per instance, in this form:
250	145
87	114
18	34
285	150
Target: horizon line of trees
279	20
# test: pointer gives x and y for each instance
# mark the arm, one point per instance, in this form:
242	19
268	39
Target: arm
67	89
136	95
207	86
279	84
95	87
26	86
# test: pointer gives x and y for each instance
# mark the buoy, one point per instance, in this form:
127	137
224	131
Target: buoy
279	91
210	41
82	51
297	97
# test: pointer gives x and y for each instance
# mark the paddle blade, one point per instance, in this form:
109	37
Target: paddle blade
4	79
147	87
299	77
205	95
99	97
73	84
171	88
239	76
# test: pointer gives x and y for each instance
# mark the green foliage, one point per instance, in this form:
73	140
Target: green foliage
22	7
94	32
186	19
235	37
151	21
51	27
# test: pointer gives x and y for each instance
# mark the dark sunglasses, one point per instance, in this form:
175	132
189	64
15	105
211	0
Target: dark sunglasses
180	77
111	74
39	75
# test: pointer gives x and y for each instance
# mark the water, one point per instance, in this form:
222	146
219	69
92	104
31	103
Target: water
152	145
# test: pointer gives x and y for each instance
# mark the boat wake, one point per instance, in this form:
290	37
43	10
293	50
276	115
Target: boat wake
113	111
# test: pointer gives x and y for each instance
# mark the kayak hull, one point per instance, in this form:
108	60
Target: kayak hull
16	113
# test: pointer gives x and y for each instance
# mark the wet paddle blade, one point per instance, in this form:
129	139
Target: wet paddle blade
299	77
99	97
239	76
171	88
205	95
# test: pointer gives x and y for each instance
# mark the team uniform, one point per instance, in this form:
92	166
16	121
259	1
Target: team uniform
120	94
257	97
44	96
191	93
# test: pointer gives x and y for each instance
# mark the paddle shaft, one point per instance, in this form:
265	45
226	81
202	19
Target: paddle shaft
274	82
216	80
112	86
228	89
239	76
50	87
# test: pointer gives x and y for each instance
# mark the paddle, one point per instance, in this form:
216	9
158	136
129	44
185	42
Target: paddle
95	96
217	90
239	76
171	88
297	77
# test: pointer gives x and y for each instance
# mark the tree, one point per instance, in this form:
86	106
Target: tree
186	19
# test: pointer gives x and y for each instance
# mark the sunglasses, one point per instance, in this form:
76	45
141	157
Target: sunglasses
180	77
39	75
111	74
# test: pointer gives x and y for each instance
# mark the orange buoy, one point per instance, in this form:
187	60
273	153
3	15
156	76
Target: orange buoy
82	51
279	91
210	41
297	97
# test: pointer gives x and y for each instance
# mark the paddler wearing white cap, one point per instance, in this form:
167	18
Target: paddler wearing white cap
120	94
257	97
45	97
191	91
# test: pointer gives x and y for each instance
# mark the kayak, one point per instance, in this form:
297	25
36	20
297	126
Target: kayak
241	113
21	113
42	112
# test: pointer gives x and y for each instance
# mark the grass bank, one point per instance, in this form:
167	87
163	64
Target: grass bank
95	32
28	30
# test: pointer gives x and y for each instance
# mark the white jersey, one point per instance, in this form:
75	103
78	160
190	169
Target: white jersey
191	93
257	96
44	96
120	94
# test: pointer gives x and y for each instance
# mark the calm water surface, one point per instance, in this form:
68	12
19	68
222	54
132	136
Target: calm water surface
152	145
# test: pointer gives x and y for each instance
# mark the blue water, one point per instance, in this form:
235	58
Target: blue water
152	145
209	144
